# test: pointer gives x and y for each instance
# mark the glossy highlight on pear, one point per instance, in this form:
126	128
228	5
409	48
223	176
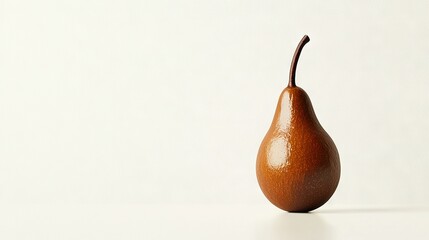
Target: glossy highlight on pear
298	165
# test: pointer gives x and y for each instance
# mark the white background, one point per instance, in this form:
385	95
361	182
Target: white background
168	101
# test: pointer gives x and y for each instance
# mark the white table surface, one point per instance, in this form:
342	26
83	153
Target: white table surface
137	221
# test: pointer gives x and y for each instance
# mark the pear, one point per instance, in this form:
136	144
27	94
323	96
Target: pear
298	165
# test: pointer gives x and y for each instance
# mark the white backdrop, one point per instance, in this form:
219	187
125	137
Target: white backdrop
168	101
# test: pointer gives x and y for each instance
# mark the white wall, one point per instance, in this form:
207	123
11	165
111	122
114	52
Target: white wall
167	101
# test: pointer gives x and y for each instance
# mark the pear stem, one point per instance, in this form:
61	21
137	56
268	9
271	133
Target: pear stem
295	58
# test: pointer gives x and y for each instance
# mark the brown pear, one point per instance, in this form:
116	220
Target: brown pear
298	166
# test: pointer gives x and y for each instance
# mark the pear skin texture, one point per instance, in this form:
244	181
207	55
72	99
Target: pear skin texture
298	165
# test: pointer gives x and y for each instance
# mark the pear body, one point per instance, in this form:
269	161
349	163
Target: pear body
298	165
